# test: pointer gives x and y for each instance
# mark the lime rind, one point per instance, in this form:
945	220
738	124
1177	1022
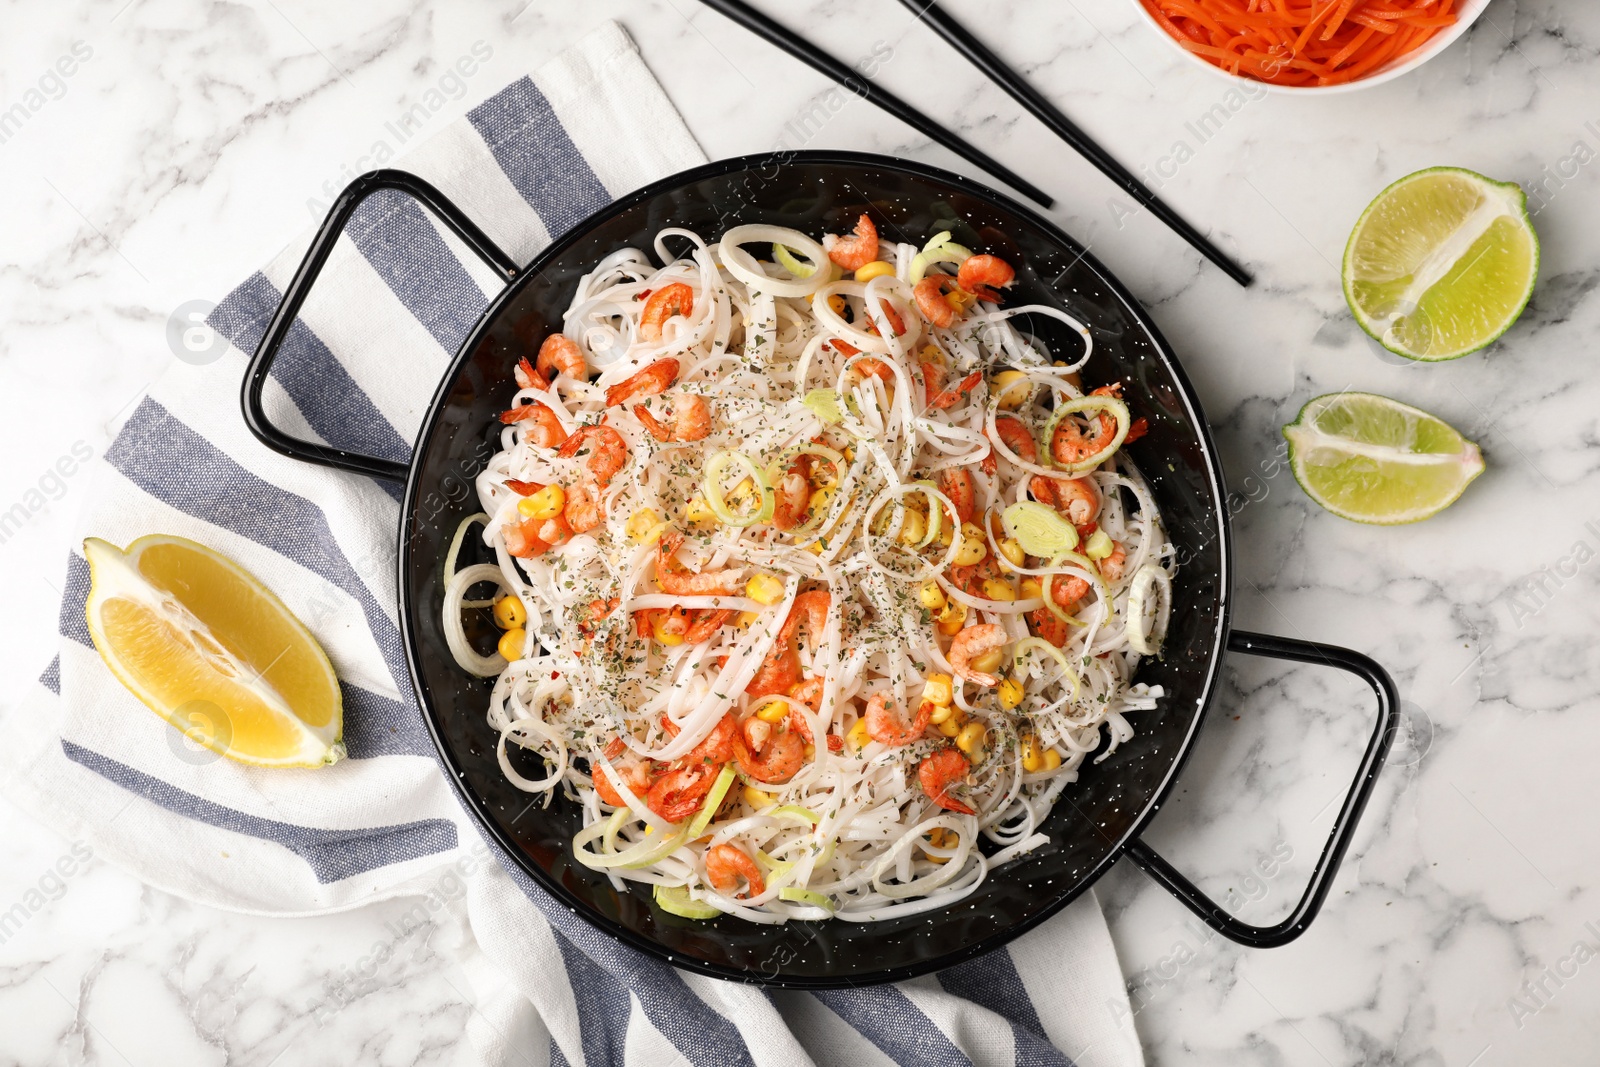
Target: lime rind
1373	460
1502	203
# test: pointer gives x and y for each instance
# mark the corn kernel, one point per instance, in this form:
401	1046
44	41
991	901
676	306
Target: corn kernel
941	714
748	617
950	727
773	711
821	499
876	269
971	737
757	798
1052	759
815	548
641	522
1010	693
946	534
836	302
698	511
764	589
939	837
1011	549
509	614
1012	388
811	752
1030	588
931	595
545	504
989	662
657	627
1100	545
743	498
913	529
952	618
939	689
995	589
1032	757
511	643
971	552
858	736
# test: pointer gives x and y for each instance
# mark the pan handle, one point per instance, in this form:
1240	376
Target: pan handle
1344	827
255	375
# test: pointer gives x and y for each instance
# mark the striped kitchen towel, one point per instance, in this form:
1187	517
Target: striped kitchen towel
396	299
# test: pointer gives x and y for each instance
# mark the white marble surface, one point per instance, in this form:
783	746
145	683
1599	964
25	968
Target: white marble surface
183	150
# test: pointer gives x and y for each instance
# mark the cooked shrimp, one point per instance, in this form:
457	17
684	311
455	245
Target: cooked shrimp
656	378
896	323
852	252
522	538
667	301
949	398
715	748
705	626
582	510
929	294
561	354
677	794
956	483
1067	590
1043	623
781	669
636	773
809	693
1015	436
726	865
546	432
793	500
1070	444
689	419
606	457
973	642
981	275
1112	565
675	580
526	376
939	772
885	724
767	753
1076	498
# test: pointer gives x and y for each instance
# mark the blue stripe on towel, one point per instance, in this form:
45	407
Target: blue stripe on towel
75	595
538	155
886	1016
320	386
703	1036
991	981
331	854
557	1057
396	236
183	470
51	678
603	1004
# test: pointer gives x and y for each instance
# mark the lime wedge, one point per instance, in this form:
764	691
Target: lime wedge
1371	459
1441	263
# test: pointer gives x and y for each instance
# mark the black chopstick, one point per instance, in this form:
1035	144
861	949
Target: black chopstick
929	11
802	50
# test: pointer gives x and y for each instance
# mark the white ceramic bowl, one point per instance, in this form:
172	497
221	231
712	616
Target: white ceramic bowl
1467	12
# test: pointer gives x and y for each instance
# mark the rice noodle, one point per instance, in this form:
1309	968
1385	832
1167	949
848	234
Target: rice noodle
804	374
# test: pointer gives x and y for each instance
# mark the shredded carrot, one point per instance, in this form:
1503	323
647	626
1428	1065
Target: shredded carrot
1302	42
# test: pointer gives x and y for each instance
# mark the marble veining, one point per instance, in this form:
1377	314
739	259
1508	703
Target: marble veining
185	149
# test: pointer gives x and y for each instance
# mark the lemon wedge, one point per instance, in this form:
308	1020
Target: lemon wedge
213	652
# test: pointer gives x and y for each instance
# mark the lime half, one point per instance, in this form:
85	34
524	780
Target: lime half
1371	459
1441	263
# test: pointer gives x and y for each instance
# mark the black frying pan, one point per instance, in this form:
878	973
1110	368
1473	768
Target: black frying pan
1096	821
